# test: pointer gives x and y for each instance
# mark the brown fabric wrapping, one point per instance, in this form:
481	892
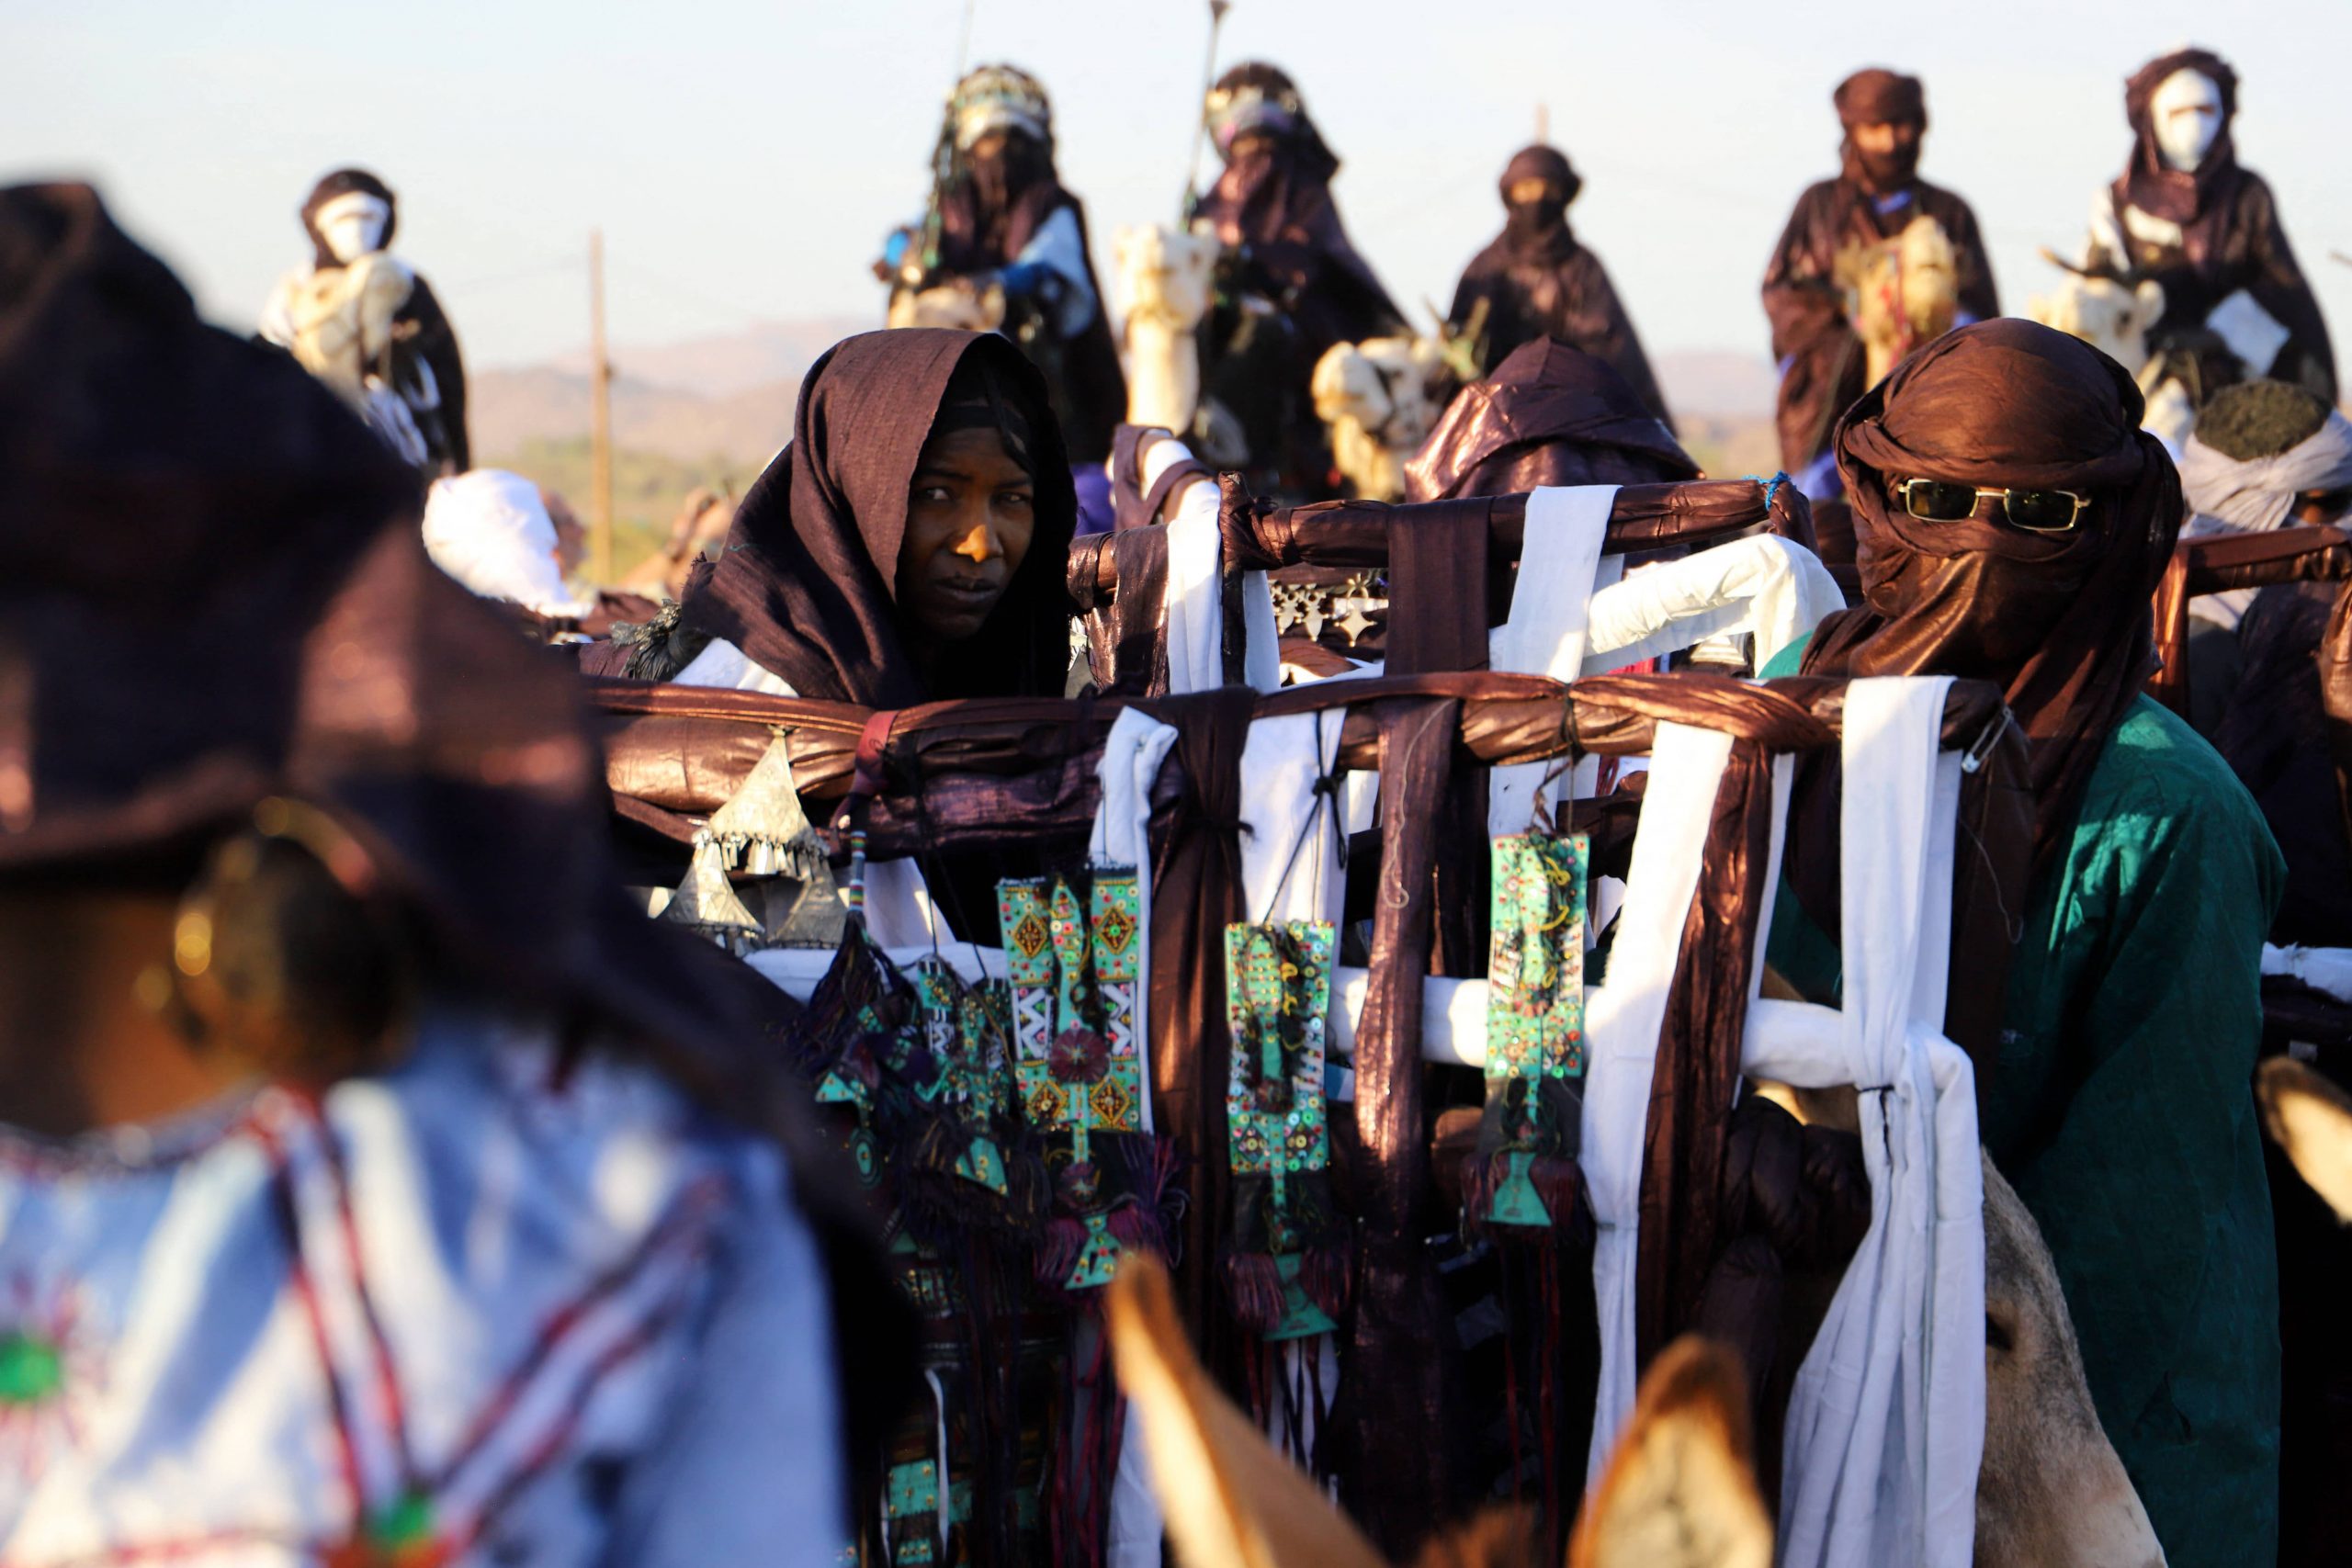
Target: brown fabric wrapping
1126	639
1438	616
1196	893
1395	1424
807	584
1879	97
2061	622
1550	414
1696	1078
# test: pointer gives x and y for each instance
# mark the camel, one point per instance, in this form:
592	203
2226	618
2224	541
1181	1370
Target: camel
1900	293
1379	399
954	305
1678	1491
699	529
2114	314
1164	275
2311	1119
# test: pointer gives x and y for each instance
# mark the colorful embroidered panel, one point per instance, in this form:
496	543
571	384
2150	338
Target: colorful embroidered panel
1534	1022
1074	971
968	1029
1278	997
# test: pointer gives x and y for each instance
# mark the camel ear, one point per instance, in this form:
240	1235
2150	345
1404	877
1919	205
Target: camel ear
2149	296
2311	1119
1231	1501
1679	1491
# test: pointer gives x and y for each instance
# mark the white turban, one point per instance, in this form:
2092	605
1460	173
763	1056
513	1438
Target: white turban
2254	495
490	530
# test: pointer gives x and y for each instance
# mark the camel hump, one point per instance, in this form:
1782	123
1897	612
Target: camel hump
1680	1491
1230	1500
2311	1119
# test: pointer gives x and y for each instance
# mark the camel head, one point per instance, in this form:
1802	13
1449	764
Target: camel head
1901	292
2111	314
1678	1492
2052	1493
1164	273
2310	1120
1381	400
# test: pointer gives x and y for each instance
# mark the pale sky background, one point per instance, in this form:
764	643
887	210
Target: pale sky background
745	158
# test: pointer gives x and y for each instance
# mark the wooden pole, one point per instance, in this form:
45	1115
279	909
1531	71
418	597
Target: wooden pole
600	416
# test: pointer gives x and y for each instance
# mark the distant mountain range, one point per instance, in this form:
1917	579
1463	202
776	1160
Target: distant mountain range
729	400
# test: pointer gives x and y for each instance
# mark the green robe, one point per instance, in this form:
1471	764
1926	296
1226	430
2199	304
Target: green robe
2122	1108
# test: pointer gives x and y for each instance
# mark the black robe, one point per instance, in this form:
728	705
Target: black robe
1557	290
1822	362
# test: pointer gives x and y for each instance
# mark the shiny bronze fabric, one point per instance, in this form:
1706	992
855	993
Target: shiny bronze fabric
1126	639
2230	239
806	585
1550	414
1397	1425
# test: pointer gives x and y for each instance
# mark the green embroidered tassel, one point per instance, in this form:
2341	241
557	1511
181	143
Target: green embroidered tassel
1285	1262
1524	1175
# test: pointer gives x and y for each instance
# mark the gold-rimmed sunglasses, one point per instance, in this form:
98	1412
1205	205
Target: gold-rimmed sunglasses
2035	511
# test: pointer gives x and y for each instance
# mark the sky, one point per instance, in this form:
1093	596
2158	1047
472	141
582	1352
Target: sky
744	159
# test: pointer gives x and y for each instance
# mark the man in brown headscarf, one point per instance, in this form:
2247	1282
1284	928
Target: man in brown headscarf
2187	214
1537	280
2013	520
1875	195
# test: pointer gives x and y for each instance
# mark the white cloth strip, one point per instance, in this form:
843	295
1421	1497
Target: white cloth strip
1559	562
1770	587
1131	756
1290	856
1623	1020
1886	1420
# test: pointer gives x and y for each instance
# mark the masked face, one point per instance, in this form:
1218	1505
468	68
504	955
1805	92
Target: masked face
2187	111
352	225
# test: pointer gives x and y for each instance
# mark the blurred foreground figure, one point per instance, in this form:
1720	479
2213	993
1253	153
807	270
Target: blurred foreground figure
2187	215
362	320
375	1188
1537	280
1874	200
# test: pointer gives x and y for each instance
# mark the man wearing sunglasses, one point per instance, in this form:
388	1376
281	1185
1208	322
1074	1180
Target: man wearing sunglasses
2012	521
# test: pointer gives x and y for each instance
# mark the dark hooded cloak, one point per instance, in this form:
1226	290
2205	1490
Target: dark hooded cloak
2230	239
1550	414
1274	205
276	630
987	218
1822	362
423	332
806	585
1537	280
